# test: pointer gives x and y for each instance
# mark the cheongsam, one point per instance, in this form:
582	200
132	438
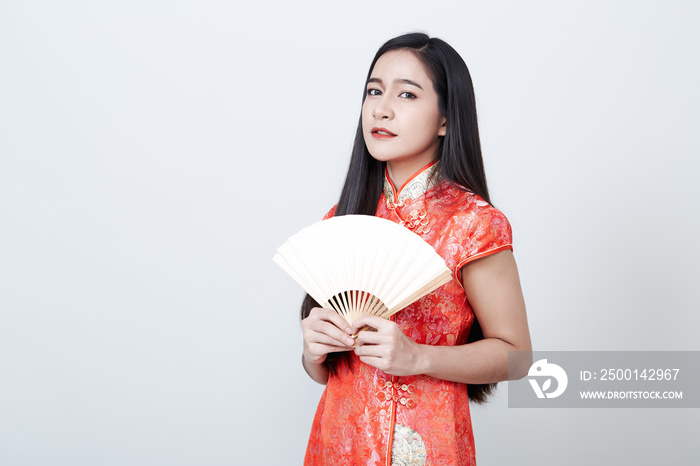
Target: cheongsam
366	416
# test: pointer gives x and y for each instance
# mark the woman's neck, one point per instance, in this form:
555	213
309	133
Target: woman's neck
401	171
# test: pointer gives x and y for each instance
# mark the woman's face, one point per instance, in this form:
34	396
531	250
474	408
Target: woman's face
401	122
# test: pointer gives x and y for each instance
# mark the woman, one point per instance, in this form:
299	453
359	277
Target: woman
401	395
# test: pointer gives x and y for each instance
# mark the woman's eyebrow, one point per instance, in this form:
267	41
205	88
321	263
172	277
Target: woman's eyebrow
397	80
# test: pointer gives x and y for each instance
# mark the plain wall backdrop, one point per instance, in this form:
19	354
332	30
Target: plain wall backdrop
153	155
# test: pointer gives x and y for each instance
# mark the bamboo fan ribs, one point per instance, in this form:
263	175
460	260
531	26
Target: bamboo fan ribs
362	265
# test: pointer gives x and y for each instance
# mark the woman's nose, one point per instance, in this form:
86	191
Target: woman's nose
382	109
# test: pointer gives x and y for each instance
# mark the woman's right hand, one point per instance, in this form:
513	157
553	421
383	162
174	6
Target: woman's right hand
325	332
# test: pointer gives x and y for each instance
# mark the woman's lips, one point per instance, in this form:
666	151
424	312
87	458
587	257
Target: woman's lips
382	133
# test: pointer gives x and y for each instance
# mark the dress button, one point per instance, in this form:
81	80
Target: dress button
410	389
410	403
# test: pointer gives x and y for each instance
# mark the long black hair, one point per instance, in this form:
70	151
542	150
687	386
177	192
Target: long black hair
459	153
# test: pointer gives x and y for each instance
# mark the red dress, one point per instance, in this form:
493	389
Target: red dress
366	416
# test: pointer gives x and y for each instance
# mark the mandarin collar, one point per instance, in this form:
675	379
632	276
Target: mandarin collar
414	188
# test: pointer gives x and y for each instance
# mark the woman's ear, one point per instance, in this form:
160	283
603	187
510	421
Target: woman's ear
443	127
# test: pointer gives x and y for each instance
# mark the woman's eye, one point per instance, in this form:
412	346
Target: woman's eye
374	92
407	95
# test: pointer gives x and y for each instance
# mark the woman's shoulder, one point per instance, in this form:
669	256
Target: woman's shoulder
462	204
478	227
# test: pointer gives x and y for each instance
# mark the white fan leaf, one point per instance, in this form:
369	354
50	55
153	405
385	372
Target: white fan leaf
360	264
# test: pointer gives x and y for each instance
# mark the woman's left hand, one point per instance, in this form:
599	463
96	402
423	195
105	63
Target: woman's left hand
387	348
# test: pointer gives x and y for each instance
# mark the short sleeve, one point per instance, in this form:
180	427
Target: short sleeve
489	233
330	213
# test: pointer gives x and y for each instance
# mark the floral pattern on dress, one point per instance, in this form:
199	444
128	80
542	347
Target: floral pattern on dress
356	419
408	448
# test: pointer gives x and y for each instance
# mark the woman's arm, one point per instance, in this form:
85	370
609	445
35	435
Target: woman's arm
324	332
493	288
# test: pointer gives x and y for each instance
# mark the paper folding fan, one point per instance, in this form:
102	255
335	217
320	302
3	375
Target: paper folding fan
362	265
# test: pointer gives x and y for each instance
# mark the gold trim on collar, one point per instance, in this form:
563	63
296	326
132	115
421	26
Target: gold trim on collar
414	188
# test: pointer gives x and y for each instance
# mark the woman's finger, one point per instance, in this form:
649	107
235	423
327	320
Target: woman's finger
328	329
367	337
330	315
342	341
375	322
376	351
323	349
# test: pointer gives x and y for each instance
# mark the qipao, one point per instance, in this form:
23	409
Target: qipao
368	417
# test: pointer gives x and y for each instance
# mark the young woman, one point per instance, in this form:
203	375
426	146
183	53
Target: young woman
402	395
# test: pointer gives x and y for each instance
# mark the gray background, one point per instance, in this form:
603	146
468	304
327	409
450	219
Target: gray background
154	154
